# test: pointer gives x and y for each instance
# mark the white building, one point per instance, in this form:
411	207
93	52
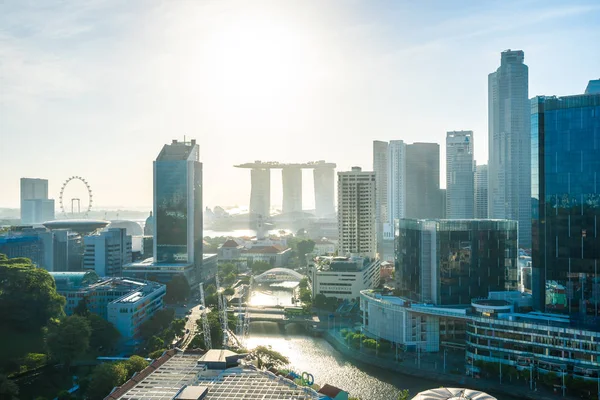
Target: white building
343	277
324	247
380	167
106	252
509	165
396	180
130	311
481	191
356	213
460	178
36	208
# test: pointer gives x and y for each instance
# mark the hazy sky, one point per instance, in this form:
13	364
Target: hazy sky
95	88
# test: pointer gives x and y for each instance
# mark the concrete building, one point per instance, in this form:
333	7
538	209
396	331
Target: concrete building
324	247
324	184
36	208
343	277
565	135
28	246
481	191
356	213
106	252
126	303
380	167
277	256
260	192
292	190
460	175
509	165
396	180
423	181
230	252
446	262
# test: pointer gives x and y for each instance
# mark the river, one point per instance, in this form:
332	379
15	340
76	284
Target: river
327	365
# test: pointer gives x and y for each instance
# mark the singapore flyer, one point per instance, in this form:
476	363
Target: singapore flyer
75	203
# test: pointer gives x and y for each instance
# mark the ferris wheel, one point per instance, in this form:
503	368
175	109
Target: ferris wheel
75	200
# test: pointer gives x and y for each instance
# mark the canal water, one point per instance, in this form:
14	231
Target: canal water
316	356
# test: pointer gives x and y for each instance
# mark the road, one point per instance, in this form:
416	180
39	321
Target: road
191	327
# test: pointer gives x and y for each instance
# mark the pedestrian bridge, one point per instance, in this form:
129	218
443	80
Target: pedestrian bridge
279	275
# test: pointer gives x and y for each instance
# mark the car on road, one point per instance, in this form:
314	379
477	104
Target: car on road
187	331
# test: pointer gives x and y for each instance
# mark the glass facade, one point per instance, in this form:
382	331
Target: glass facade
565	191
453	261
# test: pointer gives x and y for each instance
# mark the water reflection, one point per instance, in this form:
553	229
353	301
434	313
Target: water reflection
279	294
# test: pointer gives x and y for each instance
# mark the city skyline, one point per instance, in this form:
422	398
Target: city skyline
141	87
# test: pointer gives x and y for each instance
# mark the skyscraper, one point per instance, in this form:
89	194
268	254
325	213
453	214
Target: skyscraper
380	167
356	213
565	170
509	178
423	181
460	185
178	204
396	180
36	208
481	191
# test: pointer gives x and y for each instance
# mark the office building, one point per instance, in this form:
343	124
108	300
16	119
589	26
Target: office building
106	252
565	135
446	262
593	87
460	175
324	186
356	213
380	167
509	175
27	246
423	181
481	191
343	277
396	180
36	208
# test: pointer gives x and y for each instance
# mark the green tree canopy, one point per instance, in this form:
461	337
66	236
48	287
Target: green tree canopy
268	358
30	290
226	269
82	307
303	248
178	290
8	389
104	378
135	364
69	339
258	267
104	334
159	321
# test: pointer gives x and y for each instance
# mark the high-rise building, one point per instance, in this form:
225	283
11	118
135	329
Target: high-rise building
178	204
396	180
453	261
509	177
423	181
356	213
460	185
593	87
380	167
106	252
481	191
36	208
292	190
260	192
565	170
324	184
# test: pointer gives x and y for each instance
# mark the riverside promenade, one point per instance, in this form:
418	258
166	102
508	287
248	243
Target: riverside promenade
430	366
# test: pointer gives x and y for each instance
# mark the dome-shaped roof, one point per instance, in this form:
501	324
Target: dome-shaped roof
453	394
149	225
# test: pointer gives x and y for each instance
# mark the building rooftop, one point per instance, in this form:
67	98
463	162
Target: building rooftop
452	394
77	225
342	264
179	151
174	372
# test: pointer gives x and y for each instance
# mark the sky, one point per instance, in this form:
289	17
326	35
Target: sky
95	88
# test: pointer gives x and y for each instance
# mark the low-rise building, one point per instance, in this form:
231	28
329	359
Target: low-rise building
343	277
324	247
275	255
230	252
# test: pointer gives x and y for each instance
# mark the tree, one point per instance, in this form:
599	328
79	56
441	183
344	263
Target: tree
104	378
155	343
229	291
156	354
104	334
135	364
268	358
82	307
197	342
64	395
320	300
303	283
178	326
304	247
178	290
8	389
69	339
403	395
258	267
159	321
227	269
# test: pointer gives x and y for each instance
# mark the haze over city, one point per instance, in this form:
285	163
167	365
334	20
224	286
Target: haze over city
95	88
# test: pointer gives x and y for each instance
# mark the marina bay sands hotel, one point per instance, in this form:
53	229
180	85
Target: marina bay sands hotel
260	194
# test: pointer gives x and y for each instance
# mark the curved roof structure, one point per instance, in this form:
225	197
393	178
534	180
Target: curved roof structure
453	394
279	274
66	280
77	225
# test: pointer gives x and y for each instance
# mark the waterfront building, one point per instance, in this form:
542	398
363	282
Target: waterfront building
356	213
216	375
423	181
481	191
460	184
343	277
275	255
565	169
106	252
36	208
509	175
396	180
452	261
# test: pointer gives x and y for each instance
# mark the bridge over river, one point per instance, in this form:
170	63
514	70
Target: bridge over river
277	315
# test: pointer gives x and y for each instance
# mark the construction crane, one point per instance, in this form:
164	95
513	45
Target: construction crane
205	325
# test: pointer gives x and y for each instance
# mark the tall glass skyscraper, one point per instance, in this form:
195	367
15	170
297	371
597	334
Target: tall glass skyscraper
178	204
423	198
565	170
509	178
460	175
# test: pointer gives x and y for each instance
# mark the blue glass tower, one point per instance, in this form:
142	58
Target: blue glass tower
565	162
